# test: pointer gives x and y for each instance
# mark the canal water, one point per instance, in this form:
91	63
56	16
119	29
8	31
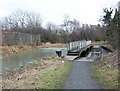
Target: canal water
28	57
25	58
98	52
94	54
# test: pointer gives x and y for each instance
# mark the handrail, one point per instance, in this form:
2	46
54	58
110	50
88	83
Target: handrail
78	44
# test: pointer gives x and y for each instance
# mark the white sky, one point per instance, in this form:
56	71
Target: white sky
86	11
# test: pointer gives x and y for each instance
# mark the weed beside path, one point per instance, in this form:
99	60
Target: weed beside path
54	79
106	71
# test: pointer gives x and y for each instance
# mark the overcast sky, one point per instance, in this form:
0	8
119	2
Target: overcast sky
86	11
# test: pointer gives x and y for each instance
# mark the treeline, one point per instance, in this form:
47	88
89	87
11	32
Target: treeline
70	30
31	23
112	25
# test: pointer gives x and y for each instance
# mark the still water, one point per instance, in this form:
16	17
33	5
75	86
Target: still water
25	58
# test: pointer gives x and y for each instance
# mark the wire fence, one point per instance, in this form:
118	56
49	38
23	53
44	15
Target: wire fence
16	38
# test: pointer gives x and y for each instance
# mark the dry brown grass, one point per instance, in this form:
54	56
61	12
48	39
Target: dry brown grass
18	48
27	78
106	71
24	78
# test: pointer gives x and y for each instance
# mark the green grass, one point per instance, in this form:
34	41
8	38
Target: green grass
107	77
55	79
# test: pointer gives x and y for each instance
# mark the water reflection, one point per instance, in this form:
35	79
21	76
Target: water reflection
98	51
25	58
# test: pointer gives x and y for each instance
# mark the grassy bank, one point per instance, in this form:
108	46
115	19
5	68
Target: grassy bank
108	78
106	71
55	79
49	73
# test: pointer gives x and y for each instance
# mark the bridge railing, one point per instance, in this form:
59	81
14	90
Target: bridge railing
77	45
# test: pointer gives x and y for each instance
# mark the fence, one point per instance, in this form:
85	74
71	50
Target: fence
78	44
15	38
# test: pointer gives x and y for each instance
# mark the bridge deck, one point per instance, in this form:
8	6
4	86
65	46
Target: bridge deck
77	52
76	47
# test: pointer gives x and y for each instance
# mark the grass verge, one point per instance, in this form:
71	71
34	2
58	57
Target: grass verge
107	77
55	79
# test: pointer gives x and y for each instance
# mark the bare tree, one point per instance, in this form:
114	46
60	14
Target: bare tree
22	21
34	25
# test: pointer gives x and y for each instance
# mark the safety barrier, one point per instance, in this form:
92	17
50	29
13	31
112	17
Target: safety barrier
77	45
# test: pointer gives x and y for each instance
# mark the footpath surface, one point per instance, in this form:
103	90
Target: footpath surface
80	76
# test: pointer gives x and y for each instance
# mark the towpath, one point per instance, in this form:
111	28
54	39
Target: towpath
80	76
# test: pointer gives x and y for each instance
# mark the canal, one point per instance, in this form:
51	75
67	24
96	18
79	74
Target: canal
26	58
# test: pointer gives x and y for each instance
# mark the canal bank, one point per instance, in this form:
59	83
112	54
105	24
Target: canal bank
49	73
105	71
81	69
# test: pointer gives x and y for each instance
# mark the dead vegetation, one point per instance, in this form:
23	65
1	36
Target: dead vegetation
26	78
105	70
18	48
49	45
14	49
109	61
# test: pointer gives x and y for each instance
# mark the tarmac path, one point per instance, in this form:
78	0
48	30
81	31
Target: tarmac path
80	76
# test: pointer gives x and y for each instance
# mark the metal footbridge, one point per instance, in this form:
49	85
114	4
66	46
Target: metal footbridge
79	48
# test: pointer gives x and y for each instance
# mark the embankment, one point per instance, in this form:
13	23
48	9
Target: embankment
49	73
105	70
